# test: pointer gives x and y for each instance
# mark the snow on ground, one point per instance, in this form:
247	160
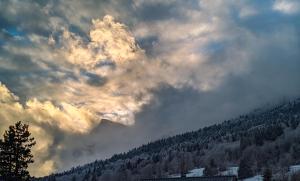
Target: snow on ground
231	171
255	178
197	172
174	176
294	168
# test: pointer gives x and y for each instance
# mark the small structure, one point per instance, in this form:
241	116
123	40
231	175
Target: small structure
213	178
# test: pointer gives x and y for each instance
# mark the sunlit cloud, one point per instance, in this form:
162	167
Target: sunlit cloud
109	40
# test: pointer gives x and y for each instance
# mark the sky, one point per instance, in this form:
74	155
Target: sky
94	78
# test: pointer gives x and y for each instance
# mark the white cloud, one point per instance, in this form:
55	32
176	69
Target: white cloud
287	6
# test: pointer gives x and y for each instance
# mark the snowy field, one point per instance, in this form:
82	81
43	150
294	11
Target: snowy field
198	172
294	168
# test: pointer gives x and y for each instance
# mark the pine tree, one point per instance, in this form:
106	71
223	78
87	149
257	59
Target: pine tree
211	169
245	169
5	160
183	167
94	177
267	174
15	151
74	178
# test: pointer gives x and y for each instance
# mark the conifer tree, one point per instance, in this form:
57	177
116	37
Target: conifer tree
15	153
245	169
211	169
267	175
74	178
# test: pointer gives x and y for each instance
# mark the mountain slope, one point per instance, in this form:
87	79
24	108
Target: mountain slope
261	139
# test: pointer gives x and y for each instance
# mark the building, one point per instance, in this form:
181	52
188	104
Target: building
214	178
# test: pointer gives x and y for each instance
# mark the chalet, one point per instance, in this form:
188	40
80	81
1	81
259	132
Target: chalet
214	178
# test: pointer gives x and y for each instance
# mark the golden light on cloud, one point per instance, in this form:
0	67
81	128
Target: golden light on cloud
66	117
110	40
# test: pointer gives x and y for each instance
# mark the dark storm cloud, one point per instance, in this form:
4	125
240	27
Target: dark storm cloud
148	43
158	11
94	79
19	71
27	16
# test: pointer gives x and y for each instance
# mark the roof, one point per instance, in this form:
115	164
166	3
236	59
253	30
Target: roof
213	178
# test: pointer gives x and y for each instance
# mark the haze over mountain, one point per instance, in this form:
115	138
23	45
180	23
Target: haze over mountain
95	78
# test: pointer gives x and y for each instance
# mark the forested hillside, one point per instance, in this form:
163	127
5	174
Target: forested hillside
263	139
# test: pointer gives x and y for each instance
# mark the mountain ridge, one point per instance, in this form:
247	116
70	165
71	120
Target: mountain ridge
235	136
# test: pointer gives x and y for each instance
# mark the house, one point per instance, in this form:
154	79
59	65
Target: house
213	178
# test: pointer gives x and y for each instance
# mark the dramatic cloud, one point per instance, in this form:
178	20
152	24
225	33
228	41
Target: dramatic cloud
84	74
